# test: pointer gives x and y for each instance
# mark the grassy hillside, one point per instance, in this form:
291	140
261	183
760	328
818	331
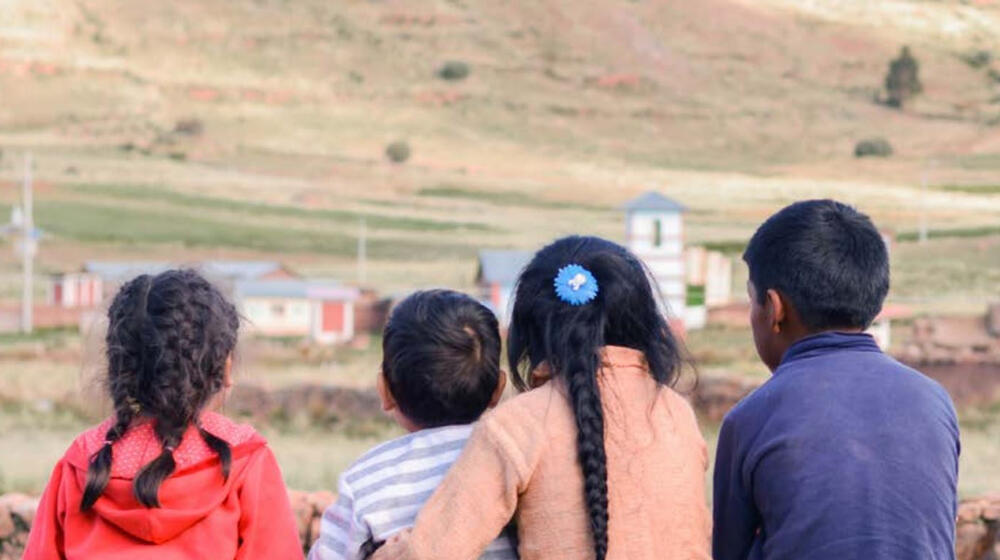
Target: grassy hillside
215	127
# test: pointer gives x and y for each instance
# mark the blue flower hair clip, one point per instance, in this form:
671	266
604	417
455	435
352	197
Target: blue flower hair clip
575	285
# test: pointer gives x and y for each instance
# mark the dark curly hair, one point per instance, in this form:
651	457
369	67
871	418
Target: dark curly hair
569	339
168	340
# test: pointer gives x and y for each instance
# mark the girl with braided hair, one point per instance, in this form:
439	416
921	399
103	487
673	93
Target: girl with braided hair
597	458
164	477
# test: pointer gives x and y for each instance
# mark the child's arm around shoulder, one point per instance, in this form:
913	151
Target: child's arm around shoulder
479	495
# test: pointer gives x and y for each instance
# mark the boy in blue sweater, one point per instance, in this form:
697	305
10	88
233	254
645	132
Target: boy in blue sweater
844	453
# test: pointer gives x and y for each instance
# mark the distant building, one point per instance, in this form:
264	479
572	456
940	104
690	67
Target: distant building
496	277
75	290
274	300
654	231
322	310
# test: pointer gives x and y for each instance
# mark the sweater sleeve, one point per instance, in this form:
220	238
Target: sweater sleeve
475	500
45	542
736	519
267	526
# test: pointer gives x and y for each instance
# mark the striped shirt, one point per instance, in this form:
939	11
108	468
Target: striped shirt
383	491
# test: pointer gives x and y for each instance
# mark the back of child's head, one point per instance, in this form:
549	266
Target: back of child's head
576	296
827	258
169	338
441	358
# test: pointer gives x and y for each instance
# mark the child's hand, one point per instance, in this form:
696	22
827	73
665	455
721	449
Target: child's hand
396	548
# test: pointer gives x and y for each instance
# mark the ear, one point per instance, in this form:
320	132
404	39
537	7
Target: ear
388	403
778	309
498	392
227	373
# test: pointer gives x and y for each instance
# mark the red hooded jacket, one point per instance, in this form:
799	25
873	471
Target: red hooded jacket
202	515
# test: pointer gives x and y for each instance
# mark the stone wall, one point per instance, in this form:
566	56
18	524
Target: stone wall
978	528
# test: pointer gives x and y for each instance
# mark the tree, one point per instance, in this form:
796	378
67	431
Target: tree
903	80
398	151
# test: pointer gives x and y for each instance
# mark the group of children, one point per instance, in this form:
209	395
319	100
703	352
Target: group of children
843	454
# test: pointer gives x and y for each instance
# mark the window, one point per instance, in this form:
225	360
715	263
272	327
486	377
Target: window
278	309
657	233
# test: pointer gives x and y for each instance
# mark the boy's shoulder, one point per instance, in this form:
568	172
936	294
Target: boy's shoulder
426	445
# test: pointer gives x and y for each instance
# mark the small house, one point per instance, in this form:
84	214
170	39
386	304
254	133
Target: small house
496	277
322	310
274	300
75	290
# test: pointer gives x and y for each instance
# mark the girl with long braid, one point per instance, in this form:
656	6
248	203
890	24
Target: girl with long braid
164	477
597	458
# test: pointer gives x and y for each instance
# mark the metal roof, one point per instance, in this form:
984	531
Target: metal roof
653	200
502	267
300	289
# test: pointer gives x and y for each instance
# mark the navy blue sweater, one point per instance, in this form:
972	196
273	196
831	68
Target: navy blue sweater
843	454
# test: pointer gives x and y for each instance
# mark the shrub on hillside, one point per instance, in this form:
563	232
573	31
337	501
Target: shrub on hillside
978	59
903	80
873	147
189	127
454	70
398	151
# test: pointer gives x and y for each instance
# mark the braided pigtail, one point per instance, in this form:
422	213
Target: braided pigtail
146	486
585	396
221	449
99	470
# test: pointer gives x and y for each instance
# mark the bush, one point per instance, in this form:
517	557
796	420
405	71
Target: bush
454	70
189	127
398	152
903	80
978	59
873	147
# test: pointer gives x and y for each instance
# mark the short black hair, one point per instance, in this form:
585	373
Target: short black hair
441	357
827	258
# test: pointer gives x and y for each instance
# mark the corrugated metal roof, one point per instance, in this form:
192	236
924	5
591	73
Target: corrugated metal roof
242	270
502	267
653	200
303	289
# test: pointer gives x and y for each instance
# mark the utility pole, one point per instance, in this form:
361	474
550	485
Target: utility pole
923	206
363	253
28	246
924	203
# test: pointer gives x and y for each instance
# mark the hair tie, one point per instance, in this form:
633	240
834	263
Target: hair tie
133	405
169	448
108	442
575	285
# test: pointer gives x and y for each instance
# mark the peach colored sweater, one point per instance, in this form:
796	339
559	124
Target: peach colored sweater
521	462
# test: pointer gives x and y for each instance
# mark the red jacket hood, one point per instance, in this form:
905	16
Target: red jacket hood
187	496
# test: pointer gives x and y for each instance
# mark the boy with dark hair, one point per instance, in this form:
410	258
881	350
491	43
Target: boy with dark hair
844	453
440	372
